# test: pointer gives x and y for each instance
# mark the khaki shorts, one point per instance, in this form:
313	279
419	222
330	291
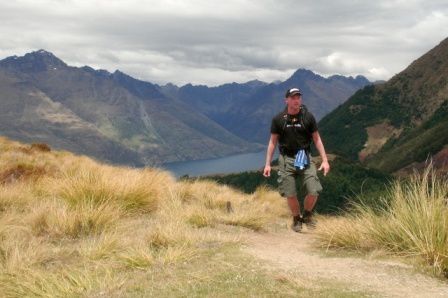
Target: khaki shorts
287	175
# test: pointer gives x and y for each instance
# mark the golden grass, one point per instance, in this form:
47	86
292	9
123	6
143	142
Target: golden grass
70	226
65	283
103	246
57	219
138	258
220	204
412	222
15	197
133	190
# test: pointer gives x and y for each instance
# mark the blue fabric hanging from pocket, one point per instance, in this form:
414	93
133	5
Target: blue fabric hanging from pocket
301	160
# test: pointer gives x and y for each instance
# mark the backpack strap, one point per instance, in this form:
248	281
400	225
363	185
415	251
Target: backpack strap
303	112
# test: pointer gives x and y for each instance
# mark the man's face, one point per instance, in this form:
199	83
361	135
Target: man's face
294	101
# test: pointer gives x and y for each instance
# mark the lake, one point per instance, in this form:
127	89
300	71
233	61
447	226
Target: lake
223	165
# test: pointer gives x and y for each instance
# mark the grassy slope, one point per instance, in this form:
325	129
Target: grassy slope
412	221
416	146
343	130
71	227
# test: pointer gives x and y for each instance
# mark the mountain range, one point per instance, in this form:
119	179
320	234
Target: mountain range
120	119
246	110
398	125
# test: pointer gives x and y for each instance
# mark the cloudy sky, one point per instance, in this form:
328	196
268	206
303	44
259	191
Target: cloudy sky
214	42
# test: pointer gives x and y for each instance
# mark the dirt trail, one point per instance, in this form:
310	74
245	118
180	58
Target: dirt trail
289	251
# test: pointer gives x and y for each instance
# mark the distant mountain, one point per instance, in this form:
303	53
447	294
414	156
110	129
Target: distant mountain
218	103
112	117
117	118
247	109
399	123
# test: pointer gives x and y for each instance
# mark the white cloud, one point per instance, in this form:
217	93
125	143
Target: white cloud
213	42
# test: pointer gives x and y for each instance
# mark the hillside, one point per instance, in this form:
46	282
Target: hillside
110	116
70	226
401	122
247	109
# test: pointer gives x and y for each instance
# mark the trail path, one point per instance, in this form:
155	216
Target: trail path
293	253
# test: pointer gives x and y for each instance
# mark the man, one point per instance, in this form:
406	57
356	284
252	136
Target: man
294	129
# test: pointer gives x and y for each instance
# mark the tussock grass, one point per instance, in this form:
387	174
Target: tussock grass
253	222
102	246
412	221
201	220
15	197
138	258
212	202
132	190
22	253
176	254
57	219
70	226
65	283
21	171
268	199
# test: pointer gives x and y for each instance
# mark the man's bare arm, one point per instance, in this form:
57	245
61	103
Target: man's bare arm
270	152
320	147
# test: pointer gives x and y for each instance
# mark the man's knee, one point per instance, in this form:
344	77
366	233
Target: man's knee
287	187
313	194
313	186
287	193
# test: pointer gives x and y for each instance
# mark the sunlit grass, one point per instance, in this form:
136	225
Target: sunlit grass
412	221
65	283
71	226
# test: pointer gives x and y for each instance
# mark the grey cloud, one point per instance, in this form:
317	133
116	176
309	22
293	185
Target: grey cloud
211	42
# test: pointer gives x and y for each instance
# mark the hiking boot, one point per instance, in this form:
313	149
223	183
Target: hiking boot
309	220
296	223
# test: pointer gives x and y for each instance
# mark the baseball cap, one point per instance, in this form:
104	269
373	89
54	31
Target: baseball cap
293	91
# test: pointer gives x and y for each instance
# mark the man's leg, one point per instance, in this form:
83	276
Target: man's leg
287	188
310	202
313	188
294	205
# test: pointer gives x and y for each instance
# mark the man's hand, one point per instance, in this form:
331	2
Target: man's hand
271	147
325	166
267	171
320	147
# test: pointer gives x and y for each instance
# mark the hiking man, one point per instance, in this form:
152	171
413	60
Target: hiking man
294	129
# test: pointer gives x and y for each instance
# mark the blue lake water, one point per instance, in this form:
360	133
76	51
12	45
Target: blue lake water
229	164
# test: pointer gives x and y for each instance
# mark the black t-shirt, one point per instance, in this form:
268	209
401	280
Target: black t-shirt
294	130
